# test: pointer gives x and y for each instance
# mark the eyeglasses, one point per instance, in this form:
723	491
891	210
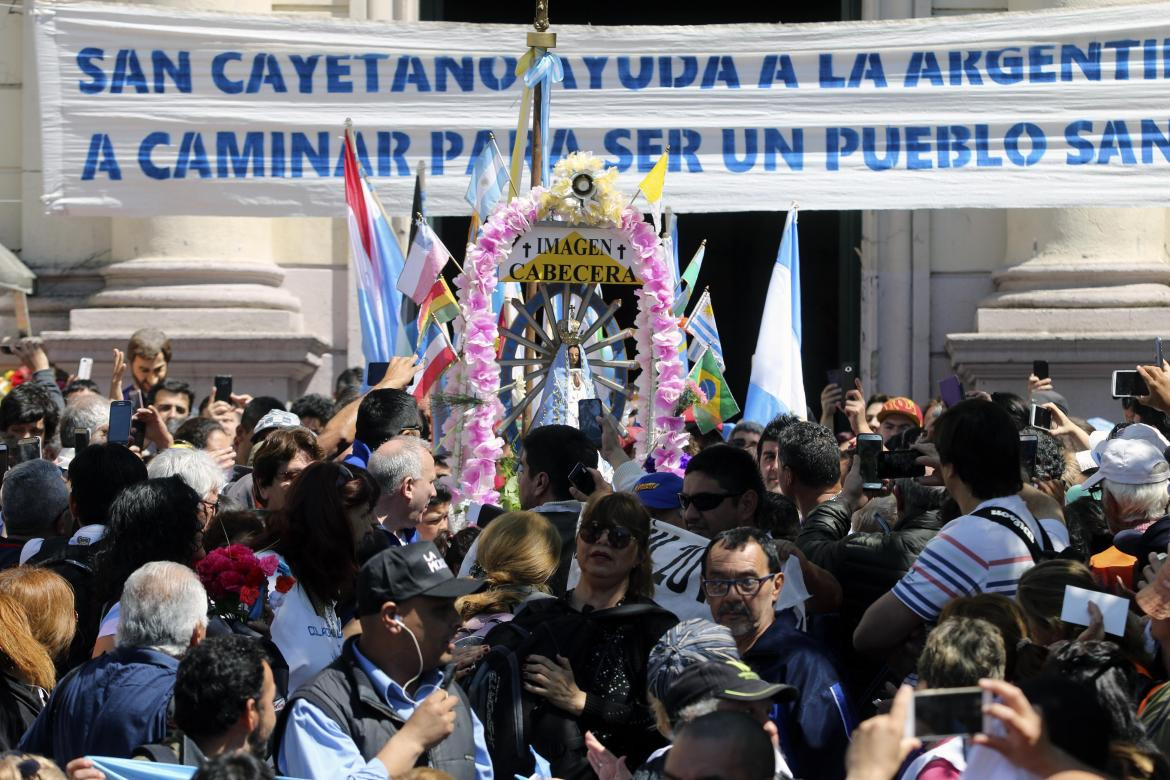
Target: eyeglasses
745	586
616	536
705	502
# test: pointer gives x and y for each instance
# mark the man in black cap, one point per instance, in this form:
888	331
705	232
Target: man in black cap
388	703
725	685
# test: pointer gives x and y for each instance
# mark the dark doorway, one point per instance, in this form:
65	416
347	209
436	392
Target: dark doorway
741	246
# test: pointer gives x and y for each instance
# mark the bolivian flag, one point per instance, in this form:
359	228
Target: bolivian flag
720	403
439	303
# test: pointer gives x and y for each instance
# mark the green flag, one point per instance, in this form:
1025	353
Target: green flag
690	277
720	403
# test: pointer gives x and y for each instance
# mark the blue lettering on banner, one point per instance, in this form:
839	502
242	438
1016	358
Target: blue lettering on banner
323	631
612	143
304	66
219	72
128	73
101	159
192	156
731	159
144	150
777	68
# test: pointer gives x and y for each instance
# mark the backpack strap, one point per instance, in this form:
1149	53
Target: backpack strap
1011	521
158	753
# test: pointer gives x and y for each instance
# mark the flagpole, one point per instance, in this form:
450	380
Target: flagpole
540	41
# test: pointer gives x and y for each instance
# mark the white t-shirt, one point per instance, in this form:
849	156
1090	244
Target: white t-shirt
973	555
309	642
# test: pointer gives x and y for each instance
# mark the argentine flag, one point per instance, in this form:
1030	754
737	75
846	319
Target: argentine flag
777	383
489	180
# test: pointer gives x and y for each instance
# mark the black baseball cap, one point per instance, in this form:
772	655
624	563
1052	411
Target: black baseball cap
400	573
729	680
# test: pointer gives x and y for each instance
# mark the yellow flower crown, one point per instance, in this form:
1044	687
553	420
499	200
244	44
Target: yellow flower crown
583	192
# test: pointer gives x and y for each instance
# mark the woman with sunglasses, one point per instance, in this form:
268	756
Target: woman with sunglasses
590	672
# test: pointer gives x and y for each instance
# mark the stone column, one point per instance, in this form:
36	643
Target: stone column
210	282
1085	289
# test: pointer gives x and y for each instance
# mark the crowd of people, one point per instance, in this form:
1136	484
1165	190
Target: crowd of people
255	587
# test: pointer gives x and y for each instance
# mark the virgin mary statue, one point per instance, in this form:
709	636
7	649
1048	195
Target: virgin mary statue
569	379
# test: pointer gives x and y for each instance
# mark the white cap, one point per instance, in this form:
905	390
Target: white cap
1145	432
1130	462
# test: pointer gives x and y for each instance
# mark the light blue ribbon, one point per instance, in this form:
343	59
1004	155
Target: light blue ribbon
544	71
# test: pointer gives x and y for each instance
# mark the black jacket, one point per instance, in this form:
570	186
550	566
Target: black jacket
866	564
814	729
20	703
608	650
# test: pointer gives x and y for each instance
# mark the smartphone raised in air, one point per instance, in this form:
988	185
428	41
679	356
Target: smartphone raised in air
120	414
376	372
1029	442
900	464
588	410
950	390
28	449
1040	369
869	450
223	388
843	377
1040	418
947	712
85	368
1129	384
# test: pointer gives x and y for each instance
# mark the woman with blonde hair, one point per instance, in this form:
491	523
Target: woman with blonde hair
518	552
47	598
26	673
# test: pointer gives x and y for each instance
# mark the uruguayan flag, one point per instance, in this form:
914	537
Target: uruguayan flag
777	383
489	181
701	326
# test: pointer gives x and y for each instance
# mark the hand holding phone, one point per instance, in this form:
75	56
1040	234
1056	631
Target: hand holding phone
1040	418
1040	369
376	372
1129	384
223	388
1029	444
582	479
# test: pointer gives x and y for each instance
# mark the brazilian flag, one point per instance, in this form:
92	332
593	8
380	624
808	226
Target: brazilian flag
720	403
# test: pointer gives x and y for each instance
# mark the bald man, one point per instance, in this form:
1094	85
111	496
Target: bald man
405	470
725	744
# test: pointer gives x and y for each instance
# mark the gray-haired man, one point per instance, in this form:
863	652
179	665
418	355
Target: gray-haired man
118	701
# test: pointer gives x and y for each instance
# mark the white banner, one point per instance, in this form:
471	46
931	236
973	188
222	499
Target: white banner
159	111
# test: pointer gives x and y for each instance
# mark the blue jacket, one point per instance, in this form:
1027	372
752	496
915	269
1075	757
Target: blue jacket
106	707
814	729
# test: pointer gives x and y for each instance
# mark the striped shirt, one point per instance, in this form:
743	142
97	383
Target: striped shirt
972	555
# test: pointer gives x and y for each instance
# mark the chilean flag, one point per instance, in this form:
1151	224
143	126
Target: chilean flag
378	262
436	357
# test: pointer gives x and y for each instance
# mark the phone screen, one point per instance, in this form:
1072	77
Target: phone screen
376	372
120	414
946	712
588	410
223	388
950	390
899	464
1041	417
1040	369
869	448
28	449
1129	384
1028	444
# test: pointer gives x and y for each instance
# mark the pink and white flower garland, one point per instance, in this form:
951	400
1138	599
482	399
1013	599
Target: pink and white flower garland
470	434
662	378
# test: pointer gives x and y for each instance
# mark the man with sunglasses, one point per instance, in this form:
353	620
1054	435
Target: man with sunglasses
742	579
549	453
722	489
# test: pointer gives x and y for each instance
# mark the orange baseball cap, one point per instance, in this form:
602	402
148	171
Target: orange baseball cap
902	406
